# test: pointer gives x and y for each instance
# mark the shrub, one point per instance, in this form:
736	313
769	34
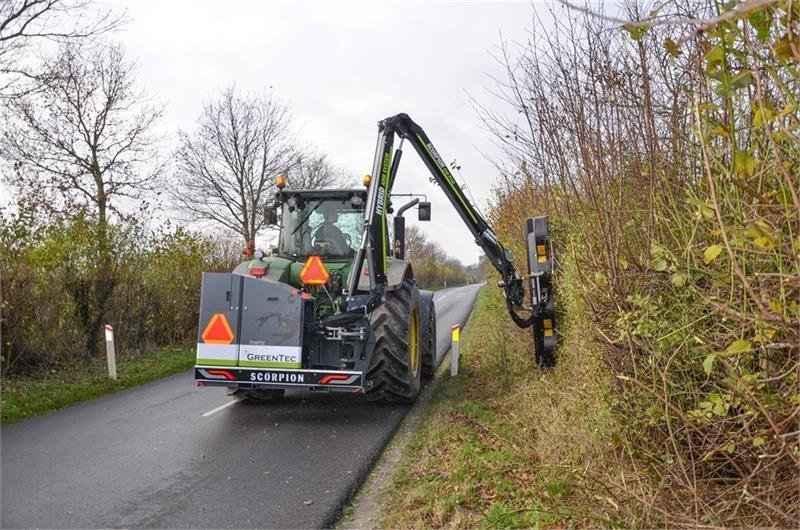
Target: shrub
669	161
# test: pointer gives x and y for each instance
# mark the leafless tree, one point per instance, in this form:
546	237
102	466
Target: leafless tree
418	247
28	25
226	167
314	170
87	135
84	141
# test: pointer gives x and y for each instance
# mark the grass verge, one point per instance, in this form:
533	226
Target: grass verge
505	444
26	397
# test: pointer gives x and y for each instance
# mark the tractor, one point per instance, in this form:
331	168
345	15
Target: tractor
335	306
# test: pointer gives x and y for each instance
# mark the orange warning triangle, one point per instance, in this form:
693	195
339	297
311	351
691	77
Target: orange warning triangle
218	331
314	272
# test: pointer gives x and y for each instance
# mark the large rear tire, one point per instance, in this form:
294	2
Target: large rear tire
396	366
427	314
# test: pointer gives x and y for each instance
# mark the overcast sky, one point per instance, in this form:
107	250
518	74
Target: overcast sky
343	66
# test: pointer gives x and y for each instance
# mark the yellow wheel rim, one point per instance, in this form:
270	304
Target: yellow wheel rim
413	343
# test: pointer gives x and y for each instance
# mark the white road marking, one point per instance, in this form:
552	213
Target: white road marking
221	407
443	297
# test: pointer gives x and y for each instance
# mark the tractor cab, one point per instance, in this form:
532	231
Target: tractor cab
325	223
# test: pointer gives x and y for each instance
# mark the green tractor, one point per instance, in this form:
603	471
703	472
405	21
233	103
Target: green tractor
335	306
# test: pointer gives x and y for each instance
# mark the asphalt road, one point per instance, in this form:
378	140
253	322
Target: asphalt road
170	455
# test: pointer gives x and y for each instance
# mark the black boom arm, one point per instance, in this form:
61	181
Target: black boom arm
376	250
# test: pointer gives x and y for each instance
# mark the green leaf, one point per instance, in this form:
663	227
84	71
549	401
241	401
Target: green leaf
745	163
679	279
659	264
623	262
761	235
738	346
784	195
671	47
636	31
719	75
764	242
788	109
705	211
758	441
714	58
761	116
708	363
761	19
742	79
783	48
711	253
721	131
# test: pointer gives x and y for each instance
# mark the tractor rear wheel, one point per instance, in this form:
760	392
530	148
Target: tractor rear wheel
396	366
427	314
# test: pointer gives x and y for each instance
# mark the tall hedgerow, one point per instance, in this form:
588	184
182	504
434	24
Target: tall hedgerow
667	153
48	267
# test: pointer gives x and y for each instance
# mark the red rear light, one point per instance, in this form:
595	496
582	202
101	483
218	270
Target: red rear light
225	373
333	377
258	272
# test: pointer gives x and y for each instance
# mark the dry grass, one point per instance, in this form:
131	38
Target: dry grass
508	445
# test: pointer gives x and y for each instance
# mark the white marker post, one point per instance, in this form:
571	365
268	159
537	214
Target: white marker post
454	350
110	355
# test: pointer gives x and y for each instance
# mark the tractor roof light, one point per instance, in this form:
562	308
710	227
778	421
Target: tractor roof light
367	180
280	182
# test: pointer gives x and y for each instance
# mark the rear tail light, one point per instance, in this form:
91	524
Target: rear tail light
258	272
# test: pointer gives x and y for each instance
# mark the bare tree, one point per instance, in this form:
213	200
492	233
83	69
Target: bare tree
87	135
418	247
227	166
84	141
27	25
314	171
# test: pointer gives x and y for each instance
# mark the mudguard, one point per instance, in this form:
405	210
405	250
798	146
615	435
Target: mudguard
397	271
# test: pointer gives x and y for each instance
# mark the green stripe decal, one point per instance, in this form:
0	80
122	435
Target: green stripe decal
216	362
448	177
269	364
387	166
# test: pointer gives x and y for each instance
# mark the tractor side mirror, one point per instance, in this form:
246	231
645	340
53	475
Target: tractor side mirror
424	211
270	215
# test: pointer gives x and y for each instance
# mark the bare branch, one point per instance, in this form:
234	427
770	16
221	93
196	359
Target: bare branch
85	135
227	166
26	25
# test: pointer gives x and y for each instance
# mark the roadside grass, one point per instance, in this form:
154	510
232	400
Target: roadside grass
506	445
26	397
